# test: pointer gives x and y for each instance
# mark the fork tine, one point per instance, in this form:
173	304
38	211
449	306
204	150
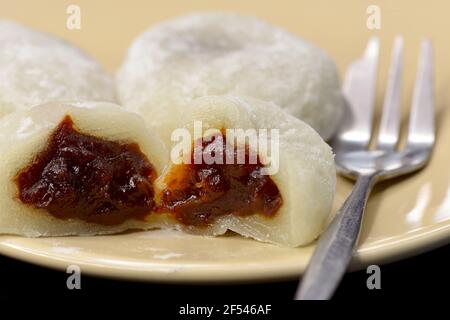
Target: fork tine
359	90
390	120
421	131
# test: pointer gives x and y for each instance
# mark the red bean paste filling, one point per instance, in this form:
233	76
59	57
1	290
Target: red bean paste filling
84	177
199	193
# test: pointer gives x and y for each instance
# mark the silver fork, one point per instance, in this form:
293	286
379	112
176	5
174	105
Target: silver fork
354	160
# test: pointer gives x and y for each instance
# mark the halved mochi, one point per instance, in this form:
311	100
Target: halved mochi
288	205
36	68
91	168
202	54
77	169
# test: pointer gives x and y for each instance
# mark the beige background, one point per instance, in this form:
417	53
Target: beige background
404	217
339	27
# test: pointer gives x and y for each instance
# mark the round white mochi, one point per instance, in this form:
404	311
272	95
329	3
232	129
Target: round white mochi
36	68
306	177
24	134
202	54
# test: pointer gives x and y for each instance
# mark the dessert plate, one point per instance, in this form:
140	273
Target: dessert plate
403	218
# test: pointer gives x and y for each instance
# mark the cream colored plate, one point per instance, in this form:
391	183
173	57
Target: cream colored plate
404	217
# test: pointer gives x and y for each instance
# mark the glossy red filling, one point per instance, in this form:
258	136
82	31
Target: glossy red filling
88	178
197	194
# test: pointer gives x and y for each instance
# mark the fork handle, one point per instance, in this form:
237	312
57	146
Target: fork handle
335	247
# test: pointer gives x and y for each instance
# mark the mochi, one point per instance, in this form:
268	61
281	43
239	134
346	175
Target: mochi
25	134
36	68
305	174
200	54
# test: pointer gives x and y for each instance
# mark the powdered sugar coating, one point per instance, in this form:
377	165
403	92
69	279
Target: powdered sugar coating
36	68
220	53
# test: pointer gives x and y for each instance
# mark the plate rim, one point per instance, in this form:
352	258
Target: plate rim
408	245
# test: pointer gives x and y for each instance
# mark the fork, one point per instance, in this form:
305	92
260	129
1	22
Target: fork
366	166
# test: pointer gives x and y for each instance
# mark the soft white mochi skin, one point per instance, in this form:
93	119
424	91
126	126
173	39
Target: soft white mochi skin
36	68
23	134
201	54
305	179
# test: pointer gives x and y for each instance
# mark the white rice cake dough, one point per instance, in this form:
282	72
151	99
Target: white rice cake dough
306	177
24	134
36	68
202	54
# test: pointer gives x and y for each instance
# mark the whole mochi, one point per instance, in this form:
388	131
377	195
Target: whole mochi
36	68
216	53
